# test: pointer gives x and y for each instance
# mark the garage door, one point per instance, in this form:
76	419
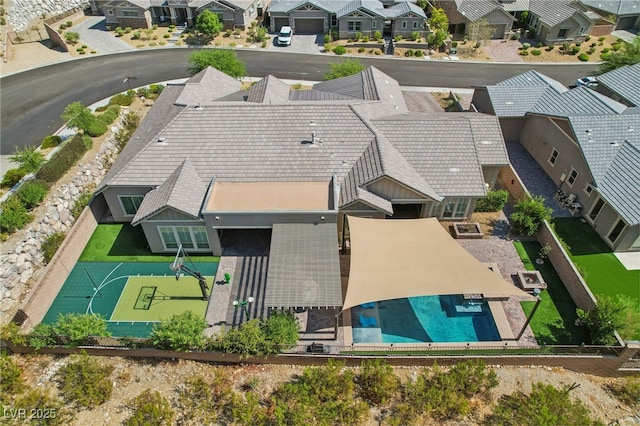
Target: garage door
499	30
309	26
280	22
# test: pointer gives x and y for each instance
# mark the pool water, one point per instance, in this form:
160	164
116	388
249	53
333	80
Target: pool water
446	318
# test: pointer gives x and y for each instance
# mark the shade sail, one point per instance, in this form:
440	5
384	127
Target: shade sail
392	259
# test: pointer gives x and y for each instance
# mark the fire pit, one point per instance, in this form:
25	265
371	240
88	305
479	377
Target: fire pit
530	280
467	230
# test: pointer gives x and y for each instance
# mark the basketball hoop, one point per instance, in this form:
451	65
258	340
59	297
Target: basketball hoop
176	266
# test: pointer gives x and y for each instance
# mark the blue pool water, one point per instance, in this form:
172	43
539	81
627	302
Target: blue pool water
447	318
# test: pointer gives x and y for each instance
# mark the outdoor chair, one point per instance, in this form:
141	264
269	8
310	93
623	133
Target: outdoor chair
368	321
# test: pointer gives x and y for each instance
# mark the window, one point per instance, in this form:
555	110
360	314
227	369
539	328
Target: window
355	26
129	13
593	214
191	237
130	203
588	189
334	20
563	32
110	12
404	25
415	24
616	231
455	208
374	24
572	177
554	157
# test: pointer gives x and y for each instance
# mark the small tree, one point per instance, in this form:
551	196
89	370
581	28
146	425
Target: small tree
629	54
28	158
181	332
343	69
439	20
78	327
77	115
224	60
480	31
437	38
603	320
528	215
208	23
71	37
493	202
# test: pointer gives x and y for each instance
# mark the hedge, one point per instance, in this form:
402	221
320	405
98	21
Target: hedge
62	160
122	99
50	141
110	115
96	128
11	177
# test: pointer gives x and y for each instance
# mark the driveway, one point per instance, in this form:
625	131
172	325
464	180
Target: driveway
93	33
301	43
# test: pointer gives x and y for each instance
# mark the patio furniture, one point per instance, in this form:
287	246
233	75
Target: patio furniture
368	321
368	305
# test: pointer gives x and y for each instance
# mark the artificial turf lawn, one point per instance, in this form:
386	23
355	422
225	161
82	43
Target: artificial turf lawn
601	270
125	243
554	321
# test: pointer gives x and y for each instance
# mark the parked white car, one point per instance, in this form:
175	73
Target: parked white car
589	82
284	36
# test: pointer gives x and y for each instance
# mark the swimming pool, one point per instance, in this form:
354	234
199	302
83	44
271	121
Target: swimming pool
446	318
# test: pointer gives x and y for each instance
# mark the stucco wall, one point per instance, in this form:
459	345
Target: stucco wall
111	196
481	100
153	234
265	219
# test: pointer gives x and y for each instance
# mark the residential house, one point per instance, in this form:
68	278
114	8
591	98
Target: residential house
347	17
209	158
463	12
559	21
586	142
619	85
624	13
145	13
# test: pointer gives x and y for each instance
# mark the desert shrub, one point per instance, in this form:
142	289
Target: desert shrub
408	53
606	50
50	141
167	35
377	35
149	408
587	38
122	99
327	38
525	46
627	390
14	215
397	38
39	400
493	202
181	332
33	192
417	53
69	24
545	405
376	382
415	36
361	50
601	38
78	327
550	48
203	400
42	336
604	319
96	128
357	36
62	160
62	27
539	45
578	44
85	382
51	244
11	177
71	37
136	35
28	158
574	50
81	202
365	39
528	215
524	53
110	115
339	50
127	30
10	377
583	57
536	52
129	125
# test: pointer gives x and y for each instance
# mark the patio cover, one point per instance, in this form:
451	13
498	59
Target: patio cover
392	259
304	268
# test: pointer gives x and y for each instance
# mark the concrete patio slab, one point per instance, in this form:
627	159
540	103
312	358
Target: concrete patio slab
631	261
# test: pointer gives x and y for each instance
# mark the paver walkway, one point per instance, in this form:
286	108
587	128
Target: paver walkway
504	50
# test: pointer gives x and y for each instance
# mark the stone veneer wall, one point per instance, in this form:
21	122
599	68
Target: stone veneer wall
22	12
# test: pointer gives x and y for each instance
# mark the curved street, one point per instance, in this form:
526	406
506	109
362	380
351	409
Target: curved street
32	101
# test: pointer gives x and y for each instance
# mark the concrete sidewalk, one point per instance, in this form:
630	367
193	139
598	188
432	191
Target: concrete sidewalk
93	33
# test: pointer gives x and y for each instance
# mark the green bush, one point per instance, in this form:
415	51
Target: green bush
603	320
149	408
71	37
88	142
574	50
11	177
123	99
525	46
28	158
524	53
51	244
358	36
69	24
583	57
377	35
10	378
78	327
127	30
606	50
361	50
587	38
493	202
327	38
42	336
377	383
136	35
50	141
627	390
550	48
397	38
417	53
81	202
601	38
528	215
408	52
339	50
181	332
33	192
62	160
110	115
280	331
85	382
96	128
167	35
539	45
14	215
415	36
536	52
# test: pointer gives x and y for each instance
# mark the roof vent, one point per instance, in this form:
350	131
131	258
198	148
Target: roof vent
630	129
454	169
312	123
162	139
486	142
588	130
344	163
508	103
614	143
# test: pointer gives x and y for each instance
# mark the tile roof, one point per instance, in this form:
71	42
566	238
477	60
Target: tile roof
580	100
373	7
515	6
623	82
554	12
183	191
533	78
358	86
269	90
404	8
616	7
317	95
610	145
476	9
206	87
505	104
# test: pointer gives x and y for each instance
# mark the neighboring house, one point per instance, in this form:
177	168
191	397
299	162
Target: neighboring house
209	157
145	13
586	142
347	17
625	13
559	21
621	85
462	12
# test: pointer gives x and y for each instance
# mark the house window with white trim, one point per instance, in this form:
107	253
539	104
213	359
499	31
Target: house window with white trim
374	24
595	210
616	231
404	25
455	208
355	26
572	177
415	25
553	157
110	12
129	13
562	33
191	237
130	203
588	189
334	20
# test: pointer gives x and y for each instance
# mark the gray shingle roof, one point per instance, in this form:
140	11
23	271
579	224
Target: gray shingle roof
554	12
610	145
616	7
183	191
624	82
404	8
304	268
269	90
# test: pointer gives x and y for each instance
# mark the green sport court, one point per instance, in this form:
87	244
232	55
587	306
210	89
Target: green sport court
131	296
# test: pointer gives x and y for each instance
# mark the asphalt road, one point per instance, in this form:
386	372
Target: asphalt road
31	102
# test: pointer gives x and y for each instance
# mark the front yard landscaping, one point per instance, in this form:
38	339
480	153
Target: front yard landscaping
554	321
